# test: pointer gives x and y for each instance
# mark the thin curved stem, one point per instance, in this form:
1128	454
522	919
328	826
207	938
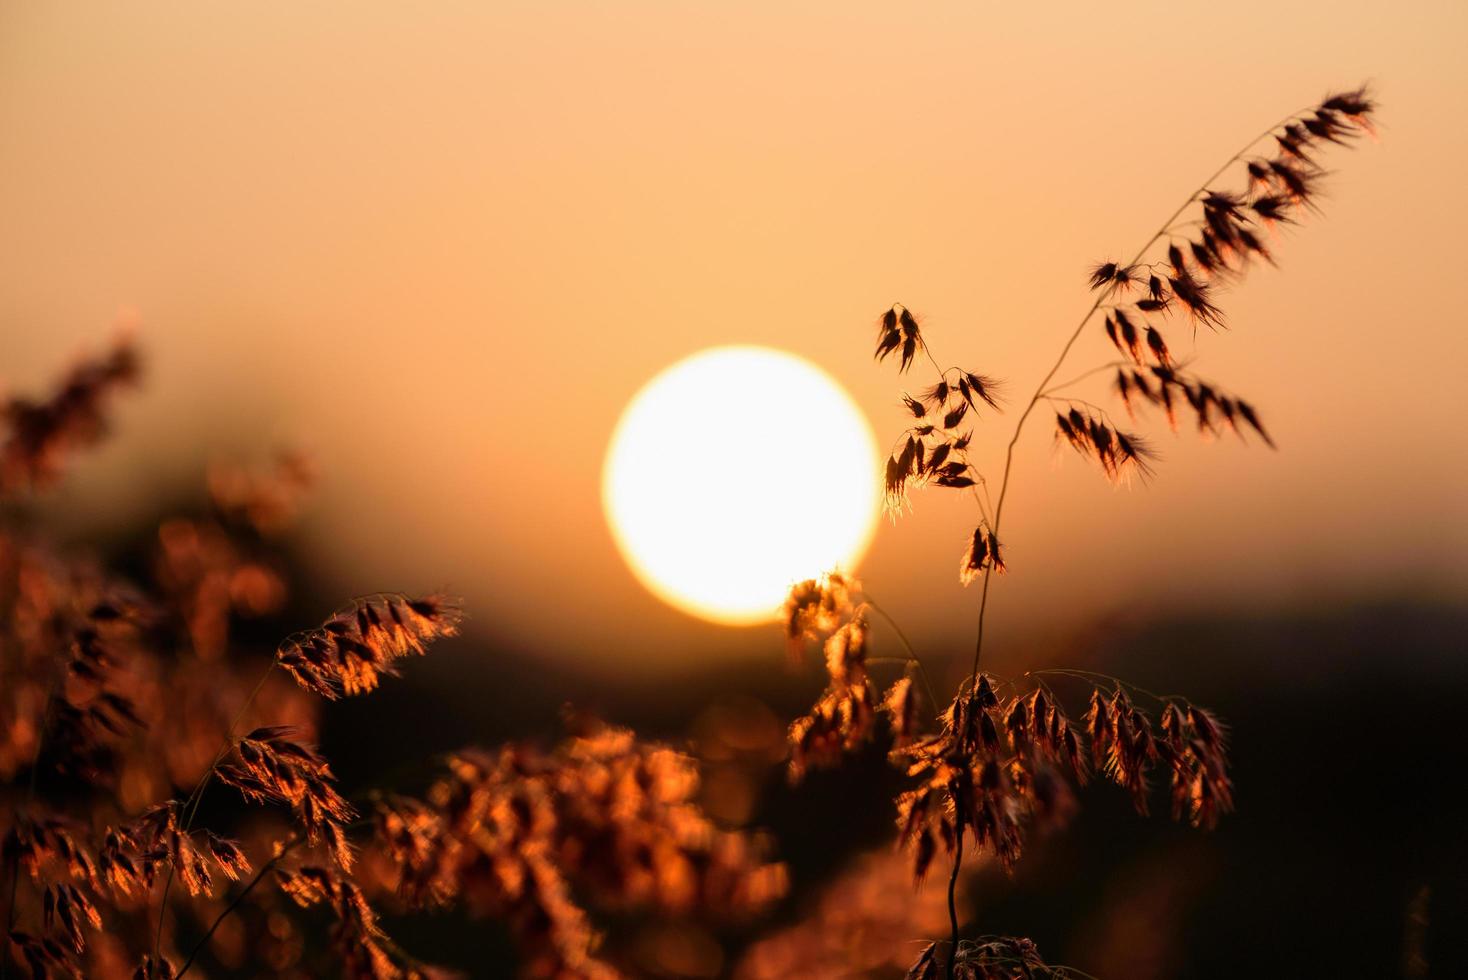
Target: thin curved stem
984	511
265	869
1061	386
1093	675
197	796
294	842
1070	343
1162	231
901	636
912	657
952	903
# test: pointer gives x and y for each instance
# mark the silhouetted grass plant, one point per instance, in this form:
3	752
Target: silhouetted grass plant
1005	752
131	700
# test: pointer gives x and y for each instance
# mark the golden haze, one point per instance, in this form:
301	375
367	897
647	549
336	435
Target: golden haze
476	230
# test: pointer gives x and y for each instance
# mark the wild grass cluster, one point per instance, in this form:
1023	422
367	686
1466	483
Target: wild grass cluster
168	812
1001	760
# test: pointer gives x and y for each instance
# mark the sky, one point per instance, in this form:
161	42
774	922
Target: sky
441	246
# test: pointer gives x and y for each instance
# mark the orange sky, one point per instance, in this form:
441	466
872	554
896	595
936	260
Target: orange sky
443	245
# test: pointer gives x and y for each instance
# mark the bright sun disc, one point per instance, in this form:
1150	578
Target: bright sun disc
736	473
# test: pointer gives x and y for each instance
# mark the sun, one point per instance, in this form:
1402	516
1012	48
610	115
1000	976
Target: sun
734	474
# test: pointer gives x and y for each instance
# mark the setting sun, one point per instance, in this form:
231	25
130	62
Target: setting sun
735	473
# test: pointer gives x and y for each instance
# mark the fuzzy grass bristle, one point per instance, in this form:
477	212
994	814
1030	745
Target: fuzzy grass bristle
347	654
898	333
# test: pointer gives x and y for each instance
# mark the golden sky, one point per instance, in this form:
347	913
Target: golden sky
442	245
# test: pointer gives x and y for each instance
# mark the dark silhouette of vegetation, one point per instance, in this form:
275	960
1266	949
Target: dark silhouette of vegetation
128	700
